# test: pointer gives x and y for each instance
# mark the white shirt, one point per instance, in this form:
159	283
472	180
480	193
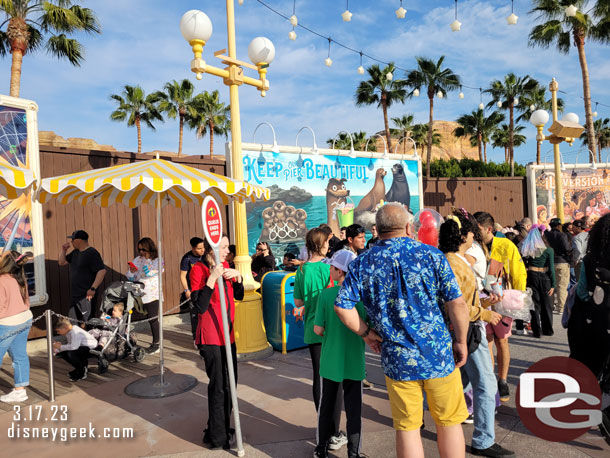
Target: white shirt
150	279
78	337
480	265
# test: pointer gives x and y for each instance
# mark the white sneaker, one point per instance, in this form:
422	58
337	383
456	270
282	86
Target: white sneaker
338	441
521	332
15	396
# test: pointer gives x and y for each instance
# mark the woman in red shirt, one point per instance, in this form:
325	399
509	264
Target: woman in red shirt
209	337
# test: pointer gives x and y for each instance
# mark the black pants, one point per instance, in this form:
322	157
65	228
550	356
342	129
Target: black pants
152	308
80	309
352	398
542	315
77	358
219	392
314	352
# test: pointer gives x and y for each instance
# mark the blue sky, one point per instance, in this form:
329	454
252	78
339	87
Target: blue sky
141	44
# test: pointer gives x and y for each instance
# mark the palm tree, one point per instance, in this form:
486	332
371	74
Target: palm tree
177	100
559	29
490	124
420	136
34	23
340	141
504	136
137	108
506	92
212	117
380	90
435	79
360	142
477	126
602	136
534	100
402	129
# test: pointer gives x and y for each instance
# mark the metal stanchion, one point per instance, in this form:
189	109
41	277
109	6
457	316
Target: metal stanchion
50	355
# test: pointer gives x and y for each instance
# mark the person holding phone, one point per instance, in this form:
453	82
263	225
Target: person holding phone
145	269
263	261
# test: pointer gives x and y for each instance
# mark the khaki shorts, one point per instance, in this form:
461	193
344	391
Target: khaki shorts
445	398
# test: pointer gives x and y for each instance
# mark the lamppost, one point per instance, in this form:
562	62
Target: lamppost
196	29
564	130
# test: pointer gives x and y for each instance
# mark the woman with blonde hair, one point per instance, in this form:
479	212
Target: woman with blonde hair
15	321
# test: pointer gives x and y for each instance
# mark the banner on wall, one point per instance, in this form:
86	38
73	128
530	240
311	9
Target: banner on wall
586	192
308	190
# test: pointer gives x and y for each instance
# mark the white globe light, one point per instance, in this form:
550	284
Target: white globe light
292	35
571	11
361	70
481	106
293	20
401	12
461	95
532	107
499	104
512	19
241	2
539	118
456	26
347	16
595	114
195	25
261	50
516	101
571	117
439	94
416	93
328	62
389	76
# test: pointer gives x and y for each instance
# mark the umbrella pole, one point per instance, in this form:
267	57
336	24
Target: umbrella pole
160	277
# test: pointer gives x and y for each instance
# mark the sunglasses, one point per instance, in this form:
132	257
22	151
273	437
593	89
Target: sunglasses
143	250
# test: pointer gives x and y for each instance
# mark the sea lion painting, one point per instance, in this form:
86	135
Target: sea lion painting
375	195
399	191
336	193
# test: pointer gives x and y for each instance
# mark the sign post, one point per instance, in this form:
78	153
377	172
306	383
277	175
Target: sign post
212	228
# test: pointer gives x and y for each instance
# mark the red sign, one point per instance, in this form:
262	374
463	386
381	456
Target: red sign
212	221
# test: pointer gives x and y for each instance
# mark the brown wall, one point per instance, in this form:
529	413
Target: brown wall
504	198
113	231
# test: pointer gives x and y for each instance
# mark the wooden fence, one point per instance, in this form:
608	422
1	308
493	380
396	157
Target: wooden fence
113	231
504	198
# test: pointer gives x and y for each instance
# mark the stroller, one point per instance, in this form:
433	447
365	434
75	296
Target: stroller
122	341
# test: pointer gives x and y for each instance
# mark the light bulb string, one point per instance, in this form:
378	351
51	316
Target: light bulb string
380	61
294	7
360	58
329	42
512	6
456	1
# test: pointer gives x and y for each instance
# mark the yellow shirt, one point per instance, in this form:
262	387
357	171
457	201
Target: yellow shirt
506	252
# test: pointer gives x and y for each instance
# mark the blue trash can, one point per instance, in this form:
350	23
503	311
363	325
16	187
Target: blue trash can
284	322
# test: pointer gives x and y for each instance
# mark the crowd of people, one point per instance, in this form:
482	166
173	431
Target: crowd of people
430	312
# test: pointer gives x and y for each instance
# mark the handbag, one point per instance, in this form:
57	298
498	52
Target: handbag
473	338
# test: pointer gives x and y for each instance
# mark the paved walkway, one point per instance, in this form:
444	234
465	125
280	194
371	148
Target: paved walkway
277	415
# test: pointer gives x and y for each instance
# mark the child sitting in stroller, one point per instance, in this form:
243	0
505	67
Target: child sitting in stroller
110	322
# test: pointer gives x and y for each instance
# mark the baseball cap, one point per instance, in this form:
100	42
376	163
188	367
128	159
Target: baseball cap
579	223
342	259
555	222
79	234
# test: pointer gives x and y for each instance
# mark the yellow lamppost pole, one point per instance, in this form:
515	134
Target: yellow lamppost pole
196	28
562	130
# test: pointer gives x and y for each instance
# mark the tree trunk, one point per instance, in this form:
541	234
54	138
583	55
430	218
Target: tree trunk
388	136
211	129
511	138
139	128
180	136
579	39
479	141
485	151
506	154
18	36
430	128
538	150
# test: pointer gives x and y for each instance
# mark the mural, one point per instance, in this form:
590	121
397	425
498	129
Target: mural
586	192
307	190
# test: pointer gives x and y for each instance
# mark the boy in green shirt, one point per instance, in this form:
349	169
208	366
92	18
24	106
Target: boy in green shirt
341	362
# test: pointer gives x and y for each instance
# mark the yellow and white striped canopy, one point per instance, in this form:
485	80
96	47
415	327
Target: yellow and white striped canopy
139	182
14	180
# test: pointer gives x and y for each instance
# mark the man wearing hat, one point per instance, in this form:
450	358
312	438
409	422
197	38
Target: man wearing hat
579	242
87	272
562	246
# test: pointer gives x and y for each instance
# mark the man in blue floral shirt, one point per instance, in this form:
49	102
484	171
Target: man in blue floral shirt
404	285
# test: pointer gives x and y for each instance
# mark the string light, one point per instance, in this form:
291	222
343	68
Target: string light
389	76
513	18
516	101
361	68
328	61
595	112
499	104
401	12
415	92
456	25
481	106
292	34
293	19
346	15
461	95
532	107
439	94
241	2
571	11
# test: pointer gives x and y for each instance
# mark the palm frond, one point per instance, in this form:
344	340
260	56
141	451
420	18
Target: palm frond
36	39
88	21
61	46
5	45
